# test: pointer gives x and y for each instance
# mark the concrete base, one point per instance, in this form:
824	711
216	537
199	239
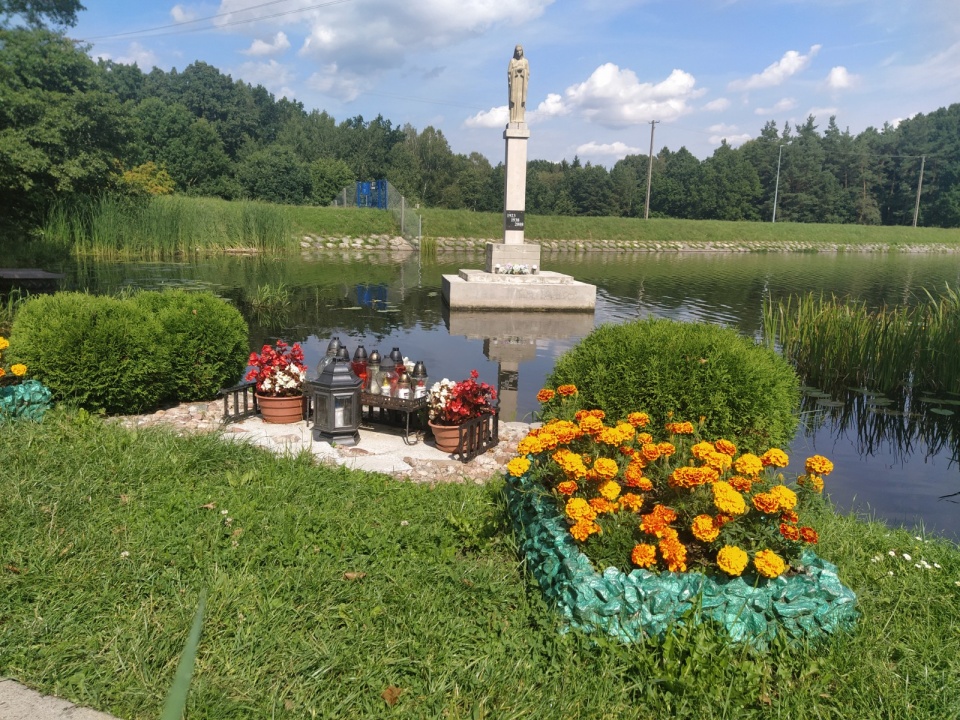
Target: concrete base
546	291
502	254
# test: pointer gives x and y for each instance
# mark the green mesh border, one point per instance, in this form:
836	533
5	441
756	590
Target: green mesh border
641	604
28	401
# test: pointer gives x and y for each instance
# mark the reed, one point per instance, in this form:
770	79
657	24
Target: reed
836	342
9	305
112	227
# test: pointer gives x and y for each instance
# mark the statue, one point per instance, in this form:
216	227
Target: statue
518	74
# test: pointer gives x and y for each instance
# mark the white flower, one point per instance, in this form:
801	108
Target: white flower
125	554
876	558
890	573
937	566
404	523
892	553
907	557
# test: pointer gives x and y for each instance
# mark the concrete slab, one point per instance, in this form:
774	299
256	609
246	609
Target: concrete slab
18	702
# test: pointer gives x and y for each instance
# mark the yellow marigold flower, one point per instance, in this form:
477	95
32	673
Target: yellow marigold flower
674	553
610	490
766	503
741	484
602	505
518	466
644	438
650	451
718	461
547	440
704	528
591	425
571	463
727	500
732	560
633	477
748	464
690	477
597	413
18	369
769	564
786	498
530	445
680	428
666	449
644	555
545	395
567	390
567	487
814	481
610	436
578	509
726	447
583	529
775	457
818	465
638	419
606	468
700	450
4	343
631	502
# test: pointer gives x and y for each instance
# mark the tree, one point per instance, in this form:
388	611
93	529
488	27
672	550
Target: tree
730	186
35	12
328	177
276	174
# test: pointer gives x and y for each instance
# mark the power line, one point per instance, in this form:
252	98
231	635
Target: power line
181	30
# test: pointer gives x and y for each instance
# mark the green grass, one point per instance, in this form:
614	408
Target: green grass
110	536
339	221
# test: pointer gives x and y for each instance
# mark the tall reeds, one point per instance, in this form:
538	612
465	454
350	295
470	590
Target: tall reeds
835	341
168	226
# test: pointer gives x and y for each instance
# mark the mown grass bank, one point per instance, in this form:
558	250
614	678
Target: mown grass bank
326	587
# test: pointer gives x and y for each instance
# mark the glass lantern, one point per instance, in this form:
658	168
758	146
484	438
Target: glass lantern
419	379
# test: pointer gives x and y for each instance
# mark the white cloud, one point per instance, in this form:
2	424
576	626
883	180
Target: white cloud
180	14
275	77
938	71
717	105
780	106
494	117
839	78
260	48
553	106
822	113
144	58
616	98
777	73
616	149
730	133
332	81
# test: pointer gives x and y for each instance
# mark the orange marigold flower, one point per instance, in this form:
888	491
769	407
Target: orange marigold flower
818	465
626	450
667	513
774	457
578	509
727	500
626	430
741	483
717	460
666	449
732	560
722	519
786	498
565	431
766	503
769	564
631	501
609	436
591	425
650	451
700	450
814	482
609	489
704	528
644	555
518	466
680	428
790	532
567	487
571	463
748	464
547	440
633	477
674	553
644	438
530	445
606	468
789	516
726	447
690	477
567	390
657	521
583	529
602	505
809	535
638	419
545	395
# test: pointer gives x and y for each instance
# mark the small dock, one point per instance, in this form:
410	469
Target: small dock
28	279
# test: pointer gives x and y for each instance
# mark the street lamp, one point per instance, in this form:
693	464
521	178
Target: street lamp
776	189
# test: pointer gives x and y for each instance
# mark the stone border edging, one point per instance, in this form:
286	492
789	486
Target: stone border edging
632	607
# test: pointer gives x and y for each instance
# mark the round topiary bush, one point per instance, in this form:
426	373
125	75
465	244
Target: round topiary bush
744	392
101	352
207	339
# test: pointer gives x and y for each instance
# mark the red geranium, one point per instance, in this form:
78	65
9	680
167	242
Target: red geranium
278	372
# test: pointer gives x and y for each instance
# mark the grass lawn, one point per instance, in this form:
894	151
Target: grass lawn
110	535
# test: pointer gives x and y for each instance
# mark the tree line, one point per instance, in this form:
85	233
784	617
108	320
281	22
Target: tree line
70	126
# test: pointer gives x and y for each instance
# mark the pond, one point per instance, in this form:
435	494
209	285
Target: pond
895	463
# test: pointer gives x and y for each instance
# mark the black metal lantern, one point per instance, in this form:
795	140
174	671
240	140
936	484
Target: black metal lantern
336	404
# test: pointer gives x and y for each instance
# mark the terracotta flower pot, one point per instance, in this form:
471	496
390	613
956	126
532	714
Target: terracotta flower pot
447	437
281	409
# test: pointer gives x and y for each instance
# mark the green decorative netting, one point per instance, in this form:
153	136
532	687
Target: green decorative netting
644	604
28	400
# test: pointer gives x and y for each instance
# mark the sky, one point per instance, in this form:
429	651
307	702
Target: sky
600	70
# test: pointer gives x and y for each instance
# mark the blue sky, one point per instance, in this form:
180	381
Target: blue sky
600	70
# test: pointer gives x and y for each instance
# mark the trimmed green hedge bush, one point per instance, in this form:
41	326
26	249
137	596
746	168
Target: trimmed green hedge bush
745	392
129	355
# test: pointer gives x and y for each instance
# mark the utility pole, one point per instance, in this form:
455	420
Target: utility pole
916	208
776	189
646	207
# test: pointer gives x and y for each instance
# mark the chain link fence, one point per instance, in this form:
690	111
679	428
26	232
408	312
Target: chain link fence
382	194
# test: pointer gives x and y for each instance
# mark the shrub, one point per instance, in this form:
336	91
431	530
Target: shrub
743	391
101	352
206	338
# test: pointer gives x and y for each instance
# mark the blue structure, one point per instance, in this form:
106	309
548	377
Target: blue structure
372	194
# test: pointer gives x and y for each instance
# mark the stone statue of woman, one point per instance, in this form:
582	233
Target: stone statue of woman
518	74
